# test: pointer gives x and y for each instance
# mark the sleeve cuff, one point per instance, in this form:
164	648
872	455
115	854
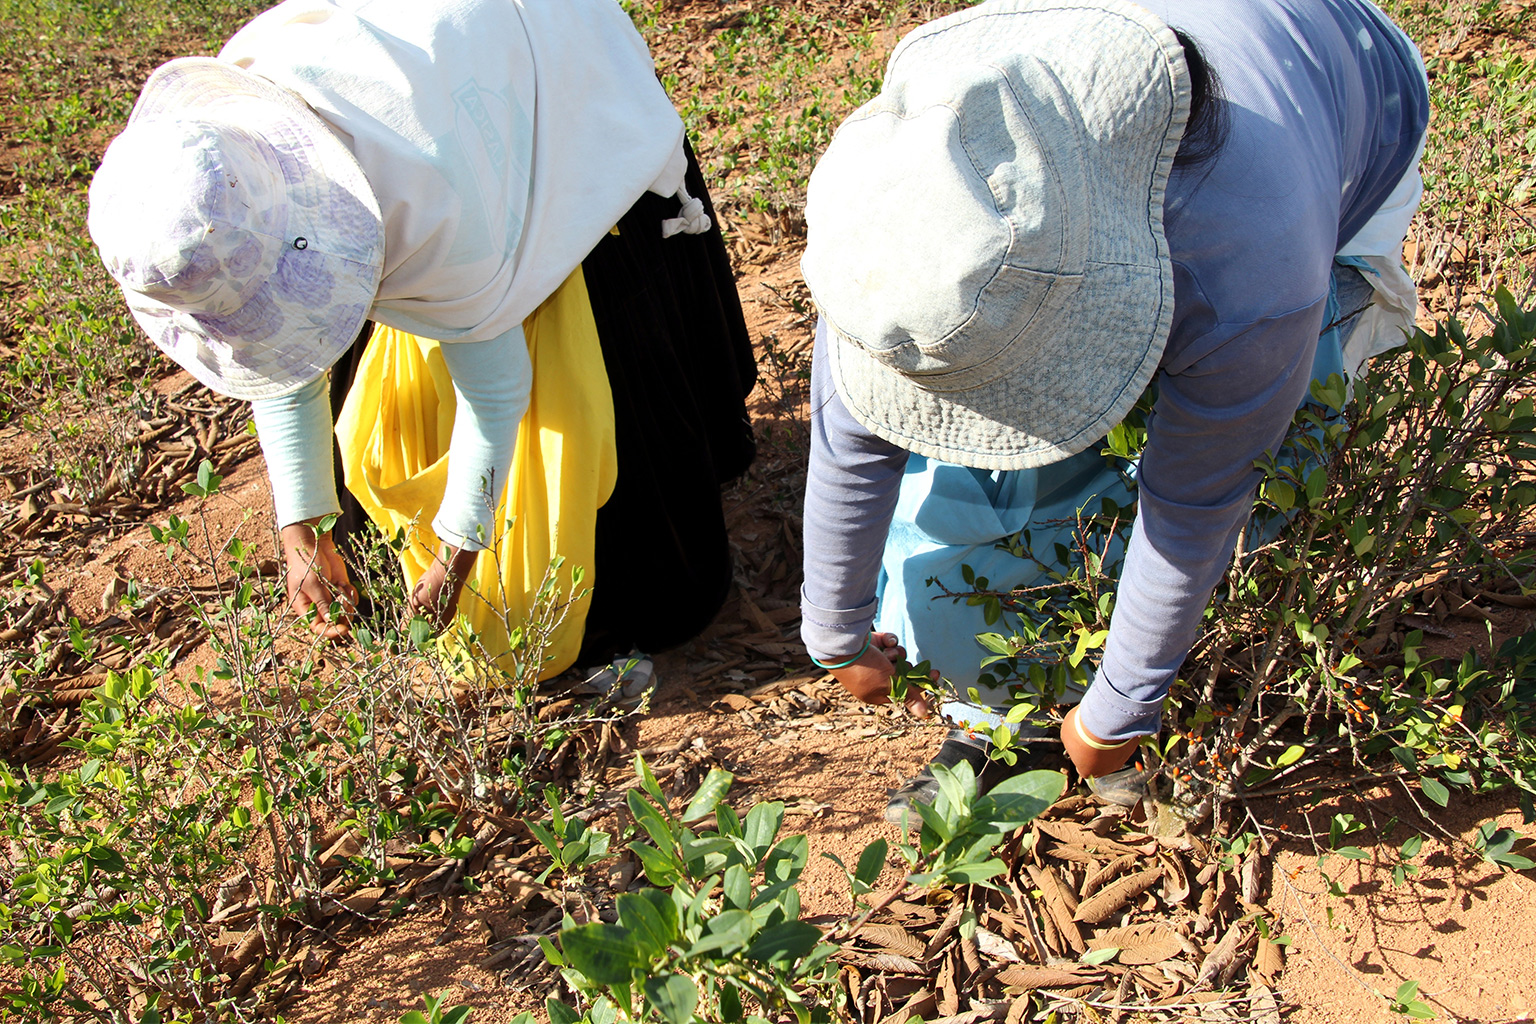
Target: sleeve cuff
1113	717
834	634
455	535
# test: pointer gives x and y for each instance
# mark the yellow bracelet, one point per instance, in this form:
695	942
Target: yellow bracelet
1082	734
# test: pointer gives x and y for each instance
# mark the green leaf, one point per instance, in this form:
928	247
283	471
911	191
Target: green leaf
726	821
975	873
736	885
725	933
711	790
1020	798
1408	991
784	942
871	863
413	1017
261	801
550	952
1410	848
648	780
762	826
1291	756
457	1015
653	924
957	786
559	1013
1435	790
673	996
661	868
785	862
650	819
1100	956
730	1003
603	952
933	820
545	837
1351	853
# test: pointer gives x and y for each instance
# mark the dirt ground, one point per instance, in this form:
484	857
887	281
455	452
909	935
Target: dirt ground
1455	927
744	697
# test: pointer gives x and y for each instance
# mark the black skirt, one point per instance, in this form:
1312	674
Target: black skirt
680	366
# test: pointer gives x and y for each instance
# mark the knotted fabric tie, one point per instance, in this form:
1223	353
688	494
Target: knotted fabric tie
691	219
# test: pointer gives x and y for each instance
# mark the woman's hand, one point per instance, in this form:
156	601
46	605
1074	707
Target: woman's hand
1088	760
317	579
436	595
869	678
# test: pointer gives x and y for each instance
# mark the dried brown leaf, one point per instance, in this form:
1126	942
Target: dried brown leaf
920	1005
892	938
1068	806
1269	960
1057	906
1114	897
1072	852
1250	877
968	1017
1052	935
1263	1008
949	992
970	955
1176	887
1031	977
1073	833
946	929
995	947
1222	956
889	963
1140	944
916	913
1109	871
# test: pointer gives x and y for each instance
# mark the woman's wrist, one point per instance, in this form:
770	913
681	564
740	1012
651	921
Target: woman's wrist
1092	741
833	664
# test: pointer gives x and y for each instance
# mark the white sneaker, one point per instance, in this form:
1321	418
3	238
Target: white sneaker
625	679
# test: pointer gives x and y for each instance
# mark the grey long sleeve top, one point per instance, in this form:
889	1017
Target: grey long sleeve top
1326	105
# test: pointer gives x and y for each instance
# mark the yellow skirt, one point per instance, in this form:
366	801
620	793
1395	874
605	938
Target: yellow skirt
393	432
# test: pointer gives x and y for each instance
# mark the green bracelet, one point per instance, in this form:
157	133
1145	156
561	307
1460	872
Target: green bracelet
842	664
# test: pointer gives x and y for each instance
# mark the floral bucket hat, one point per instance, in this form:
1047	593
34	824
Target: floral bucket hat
244	234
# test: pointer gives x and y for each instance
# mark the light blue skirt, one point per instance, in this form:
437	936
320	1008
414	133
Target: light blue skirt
950	516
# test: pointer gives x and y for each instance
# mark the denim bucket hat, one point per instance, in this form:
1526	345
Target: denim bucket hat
985	236
243	233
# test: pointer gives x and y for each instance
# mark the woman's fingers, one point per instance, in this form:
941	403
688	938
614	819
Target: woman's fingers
318	583
313	594
436	596
889	645
869	678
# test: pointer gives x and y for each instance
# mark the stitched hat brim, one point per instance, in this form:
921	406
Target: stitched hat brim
292	330
1068	366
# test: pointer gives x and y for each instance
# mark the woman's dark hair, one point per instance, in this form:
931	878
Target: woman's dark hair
1206	131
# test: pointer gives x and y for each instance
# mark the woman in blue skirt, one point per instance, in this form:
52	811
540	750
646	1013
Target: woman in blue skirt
1048	208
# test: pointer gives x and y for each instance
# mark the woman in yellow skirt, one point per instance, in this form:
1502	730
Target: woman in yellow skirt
503	254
